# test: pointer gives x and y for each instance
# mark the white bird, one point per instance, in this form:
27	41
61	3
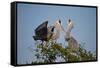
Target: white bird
72	42
57	30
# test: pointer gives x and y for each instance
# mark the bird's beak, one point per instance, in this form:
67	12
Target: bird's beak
53	28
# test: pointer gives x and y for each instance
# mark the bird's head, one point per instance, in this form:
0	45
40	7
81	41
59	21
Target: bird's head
52	29
70	25
57	25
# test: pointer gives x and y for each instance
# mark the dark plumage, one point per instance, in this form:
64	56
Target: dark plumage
41	32
44	33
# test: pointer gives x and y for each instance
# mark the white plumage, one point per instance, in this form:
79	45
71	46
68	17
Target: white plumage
57	29
72	42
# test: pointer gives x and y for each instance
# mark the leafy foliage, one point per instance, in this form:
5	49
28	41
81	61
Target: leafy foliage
49	51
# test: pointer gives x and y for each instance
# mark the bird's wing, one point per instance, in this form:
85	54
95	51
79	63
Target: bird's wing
74	42
41	29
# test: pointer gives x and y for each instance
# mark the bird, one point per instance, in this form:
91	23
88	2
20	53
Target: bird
41	32
50	31
45	33
72	42
56	33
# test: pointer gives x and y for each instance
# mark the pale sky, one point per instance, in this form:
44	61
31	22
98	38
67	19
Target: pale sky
32	15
